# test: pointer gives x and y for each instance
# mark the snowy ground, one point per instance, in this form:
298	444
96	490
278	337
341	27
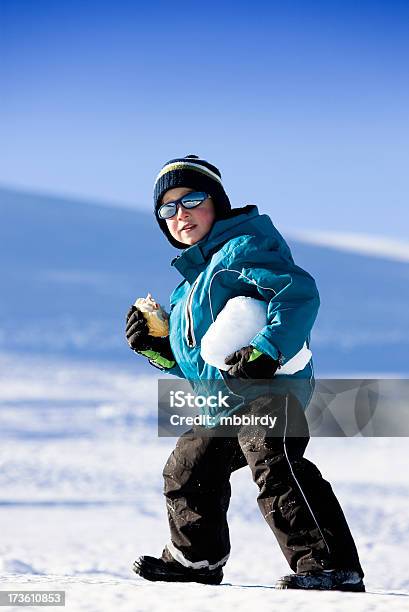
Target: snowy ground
81	496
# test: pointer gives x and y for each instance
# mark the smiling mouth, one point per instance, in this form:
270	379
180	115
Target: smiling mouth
188	228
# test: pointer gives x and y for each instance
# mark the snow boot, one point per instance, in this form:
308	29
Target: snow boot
155	569
326	580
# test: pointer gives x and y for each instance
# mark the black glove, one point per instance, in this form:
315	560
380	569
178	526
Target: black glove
137	335
248	362
137	330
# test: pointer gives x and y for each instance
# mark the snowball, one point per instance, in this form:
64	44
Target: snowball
296	363
235	326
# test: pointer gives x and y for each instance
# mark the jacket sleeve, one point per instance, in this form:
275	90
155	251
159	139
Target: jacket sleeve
291	294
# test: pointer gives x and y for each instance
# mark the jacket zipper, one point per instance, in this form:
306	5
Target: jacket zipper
190	334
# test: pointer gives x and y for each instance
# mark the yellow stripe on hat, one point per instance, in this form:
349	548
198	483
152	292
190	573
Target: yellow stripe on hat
188	166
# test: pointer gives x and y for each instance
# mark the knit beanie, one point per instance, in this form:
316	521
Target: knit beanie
195	173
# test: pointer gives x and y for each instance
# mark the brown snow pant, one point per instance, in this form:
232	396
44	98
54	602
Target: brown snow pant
297	503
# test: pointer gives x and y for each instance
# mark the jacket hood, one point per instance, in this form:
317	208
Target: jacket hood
246	220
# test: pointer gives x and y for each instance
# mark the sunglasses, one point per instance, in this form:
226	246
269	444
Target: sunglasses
190	200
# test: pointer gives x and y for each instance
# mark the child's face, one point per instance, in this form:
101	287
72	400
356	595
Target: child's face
189	226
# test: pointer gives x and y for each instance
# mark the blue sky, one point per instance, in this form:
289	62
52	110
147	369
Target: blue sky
302	105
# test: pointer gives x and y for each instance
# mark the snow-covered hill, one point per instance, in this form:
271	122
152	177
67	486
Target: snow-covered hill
80	460
69	271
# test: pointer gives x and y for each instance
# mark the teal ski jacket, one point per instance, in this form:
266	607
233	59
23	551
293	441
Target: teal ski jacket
243	255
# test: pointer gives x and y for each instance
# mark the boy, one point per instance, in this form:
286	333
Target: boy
225	253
